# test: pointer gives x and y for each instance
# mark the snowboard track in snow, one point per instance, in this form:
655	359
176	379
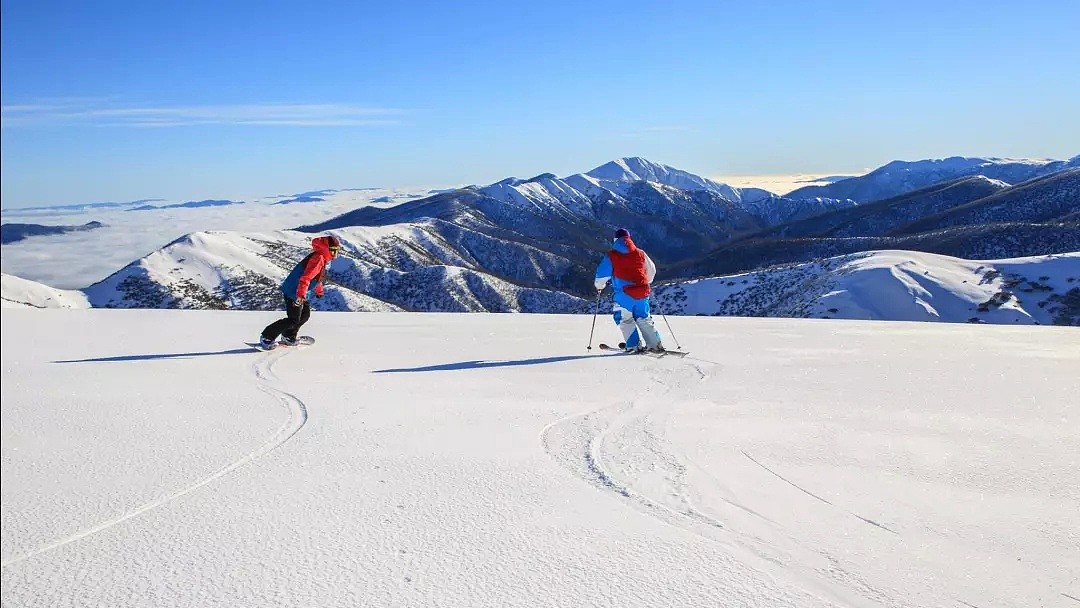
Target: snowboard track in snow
264	375
809	493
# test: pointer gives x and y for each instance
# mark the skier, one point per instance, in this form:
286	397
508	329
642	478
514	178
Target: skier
307	276
631	271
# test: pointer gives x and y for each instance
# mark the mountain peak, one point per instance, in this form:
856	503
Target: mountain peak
635	169
631	168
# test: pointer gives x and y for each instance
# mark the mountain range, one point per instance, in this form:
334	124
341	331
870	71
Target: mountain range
531	245
13	232
899	176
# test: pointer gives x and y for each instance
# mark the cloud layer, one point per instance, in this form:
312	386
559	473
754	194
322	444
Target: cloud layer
81	112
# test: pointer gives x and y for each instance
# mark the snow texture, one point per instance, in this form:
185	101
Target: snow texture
151	459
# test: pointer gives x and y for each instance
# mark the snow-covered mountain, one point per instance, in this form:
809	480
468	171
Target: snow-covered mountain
1051	198
882	217
383	269
678	213
16	292
623	178
899	177
971	217
531	245
405	267
893	285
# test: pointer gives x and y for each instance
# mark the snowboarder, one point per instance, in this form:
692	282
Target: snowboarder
631	271
307	276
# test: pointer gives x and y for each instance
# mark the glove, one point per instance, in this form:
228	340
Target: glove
318	295
300	301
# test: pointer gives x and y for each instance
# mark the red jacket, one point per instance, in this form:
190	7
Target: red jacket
630	270
311	268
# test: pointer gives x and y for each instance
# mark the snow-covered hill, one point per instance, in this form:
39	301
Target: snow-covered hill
532	245
151	459
970	217
900	177
1048	199
380	269
882	217
76	259
16	292
893	285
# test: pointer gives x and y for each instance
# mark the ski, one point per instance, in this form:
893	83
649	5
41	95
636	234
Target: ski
615	349
658	355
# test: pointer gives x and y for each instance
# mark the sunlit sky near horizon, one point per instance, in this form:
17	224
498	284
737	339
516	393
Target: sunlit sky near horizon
122	101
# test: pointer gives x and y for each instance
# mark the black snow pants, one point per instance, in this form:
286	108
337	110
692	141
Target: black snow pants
296	316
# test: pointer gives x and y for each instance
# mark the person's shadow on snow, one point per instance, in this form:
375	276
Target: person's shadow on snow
484	364
235	351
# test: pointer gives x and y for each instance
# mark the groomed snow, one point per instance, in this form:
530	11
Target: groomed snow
151	459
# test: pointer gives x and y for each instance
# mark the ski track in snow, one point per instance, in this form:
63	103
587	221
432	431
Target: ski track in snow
586	444
298	416
630	433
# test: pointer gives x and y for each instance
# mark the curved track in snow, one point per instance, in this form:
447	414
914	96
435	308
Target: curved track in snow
620	449
298	416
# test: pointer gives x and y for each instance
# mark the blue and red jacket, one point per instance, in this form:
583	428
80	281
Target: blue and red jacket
629	269
308	275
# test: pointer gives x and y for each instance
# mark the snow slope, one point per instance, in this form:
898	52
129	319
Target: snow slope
893	285
398	267
490	460
20	293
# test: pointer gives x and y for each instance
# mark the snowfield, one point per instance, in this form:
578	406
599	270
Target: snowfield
150	458
893	286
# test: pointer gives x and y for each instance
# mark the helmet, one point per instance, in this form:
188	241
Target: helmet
622	233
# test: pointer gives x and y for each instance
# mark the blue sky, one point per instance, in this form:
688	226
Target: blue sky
115	101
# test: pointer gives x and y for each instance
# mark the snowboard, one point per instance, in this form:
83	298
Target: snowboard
300	341
658	355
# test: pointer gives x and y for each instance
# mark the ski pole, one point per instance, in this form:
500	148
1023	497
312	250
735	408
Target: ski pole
595	312
672	332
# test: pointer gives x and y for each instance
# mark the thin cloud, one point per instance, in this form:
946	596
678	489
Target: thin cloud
272	114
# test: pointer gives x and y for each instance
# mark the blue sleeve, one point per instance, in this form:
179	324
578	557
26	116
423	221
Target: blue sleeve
604	270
